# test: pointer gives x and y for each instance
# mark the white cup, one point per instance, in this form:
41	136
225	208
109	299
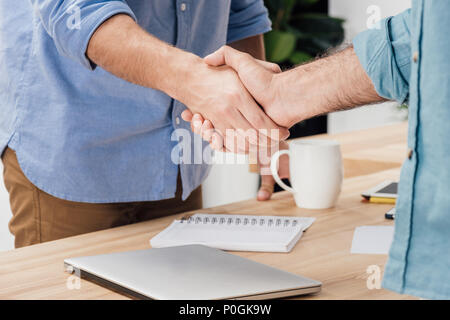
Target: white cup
316	172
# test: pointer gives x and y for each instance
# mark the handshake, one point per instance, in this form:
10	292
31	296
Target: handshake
257	103
251	110
231	96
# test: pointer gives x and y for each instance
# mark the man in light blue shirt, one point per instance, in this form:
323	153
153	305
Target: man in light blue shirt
91	93
406	59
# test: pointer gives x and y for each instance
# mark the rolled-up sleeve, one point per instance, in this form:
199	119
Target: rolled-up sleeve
385	54
71	23
247	18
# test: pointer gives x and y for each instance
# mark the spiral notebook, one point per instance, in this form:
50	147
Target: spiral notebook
235	232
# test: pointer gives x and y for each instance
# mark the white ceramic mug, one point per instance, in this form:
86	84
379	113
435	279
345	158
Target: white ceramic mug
316	172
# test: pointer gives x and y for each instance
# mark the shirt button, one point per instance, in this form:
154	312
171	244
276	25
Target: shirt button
416	56
177	121
410	153
183	7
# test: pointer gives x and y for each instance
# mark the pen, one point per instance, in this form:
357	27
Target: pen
382	200
390	214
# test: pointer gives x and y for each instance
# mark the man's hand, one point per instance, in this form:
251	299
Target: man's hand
121	47
260	80
204	128
333	83
218	95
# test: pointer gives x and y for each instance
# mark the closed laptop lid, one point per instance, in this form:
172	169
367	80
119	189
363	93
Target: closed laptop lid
190	272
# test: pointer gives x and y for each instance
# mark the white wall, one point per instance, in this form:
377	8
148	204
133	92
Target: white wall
6	239
356	14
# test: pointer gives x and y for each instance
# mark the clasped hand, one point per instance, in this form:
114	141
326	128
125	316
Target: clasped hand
257	79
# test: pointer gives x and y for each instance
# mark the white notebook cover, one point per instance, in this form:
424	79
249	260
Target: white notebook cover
235	232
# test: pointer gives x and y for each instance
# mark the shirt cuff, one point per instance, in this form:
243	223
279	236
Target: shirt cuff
385	54
77	45
251	21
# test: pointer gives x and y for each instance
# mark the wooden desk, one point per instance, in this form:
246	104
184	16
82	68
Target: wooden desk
323	253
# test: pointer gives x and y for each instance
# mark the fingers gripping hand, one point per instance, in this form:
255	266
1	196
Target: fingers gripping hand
218	95
204	128
260	79
238	141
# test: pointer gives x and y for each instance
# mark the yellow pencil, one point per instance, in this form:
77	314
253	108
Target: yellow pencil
382	200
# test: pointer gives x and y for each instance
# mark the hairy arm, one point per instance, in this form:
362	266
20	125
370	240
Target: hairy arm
121	47
337	82
334	83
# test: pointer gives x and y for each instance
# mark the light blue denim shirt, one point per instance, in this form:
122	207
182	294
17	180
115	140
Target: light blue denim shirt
408	60
82	134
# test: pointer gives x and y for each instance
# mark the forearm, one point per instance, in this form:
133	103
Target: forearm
334	83
121	47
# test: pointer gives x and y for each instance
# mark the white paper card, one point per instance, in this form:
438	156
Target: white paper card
372	239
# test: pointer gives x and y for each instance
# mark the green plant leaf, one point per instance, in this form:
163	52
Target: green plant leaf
289	6
317	31
279	45
299	57
298	28
319	26
307	2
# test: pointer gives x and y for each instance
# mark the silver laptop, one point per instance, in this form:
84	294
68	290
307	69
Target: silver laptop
192	272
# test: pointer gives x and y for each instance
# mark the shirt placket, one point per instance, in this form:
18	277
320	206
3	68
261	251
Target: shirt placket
183	14
414	127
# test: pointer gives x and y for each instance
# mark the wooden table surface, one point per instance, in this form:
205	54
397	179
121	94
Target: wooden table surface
323	253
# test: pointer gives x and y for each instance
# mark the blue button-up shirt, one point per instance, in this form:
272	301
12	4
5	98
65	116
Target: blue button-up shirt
408	60
82	134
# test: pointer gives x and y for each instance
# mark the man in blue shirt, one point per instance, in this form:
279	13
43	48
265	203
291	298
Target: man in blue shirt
91	92
404	60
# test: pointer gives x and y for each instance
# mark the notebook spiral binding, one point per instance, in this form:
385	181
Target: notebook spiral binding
241	221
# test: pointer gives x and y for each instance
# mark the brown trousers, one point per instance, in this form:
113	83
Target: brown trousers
39	217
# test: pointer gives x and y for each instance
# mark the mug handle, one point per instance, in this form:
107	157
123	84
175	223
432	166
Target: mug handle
274	169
